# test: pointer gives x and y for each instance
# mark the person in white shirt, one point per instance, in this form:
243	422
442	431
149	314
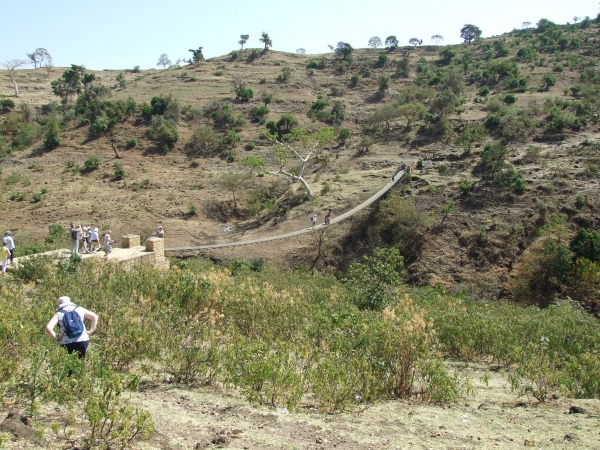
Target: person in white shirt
10	245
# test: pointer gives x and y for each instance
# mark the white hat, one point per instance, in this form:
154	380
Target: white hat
95	230
160	226
64	301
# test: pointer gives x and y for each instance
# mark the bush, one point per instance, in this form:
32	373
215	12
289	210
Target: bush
53	138
510	98
259	113
205	140
119	172
131	142
354	79
163	130
484	91
92	163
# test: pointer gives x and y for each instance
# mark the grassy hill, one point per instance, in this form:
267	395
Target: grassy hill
510	123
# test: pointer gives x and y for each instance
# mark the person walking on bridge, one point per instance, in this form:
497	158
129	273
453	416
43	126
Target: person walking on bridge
10	245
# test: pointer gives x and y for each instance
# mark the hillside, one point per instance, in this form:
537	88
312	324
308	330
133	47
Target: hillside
510	123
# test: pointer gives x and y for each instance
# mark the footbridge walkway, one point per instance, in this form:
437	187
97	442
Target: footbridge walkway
335	220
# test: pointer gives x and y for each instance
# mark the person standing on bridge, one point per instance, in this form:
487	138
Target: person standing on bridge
10	245
401	168
160	233
107	243
4	256
328	218
313	219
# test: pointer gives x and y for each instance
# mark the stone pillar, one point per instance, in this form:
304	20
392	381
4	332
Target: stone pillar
130	241
156	245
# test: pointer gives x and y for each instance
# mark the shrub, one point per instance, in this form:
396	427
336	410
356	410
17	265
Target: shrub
354	79
484	91
510	98
343	135
92	163
163	130
286	74
259	113
586	245
131	142
250	145
28	134
53	138
119	172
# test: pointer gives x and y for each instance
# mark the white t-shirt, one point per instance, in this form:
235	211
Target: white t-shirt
10	244
107	240
64	339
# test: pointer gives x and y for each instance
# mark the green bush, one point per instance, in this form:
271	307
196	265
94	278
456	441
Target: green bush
131	142
92	163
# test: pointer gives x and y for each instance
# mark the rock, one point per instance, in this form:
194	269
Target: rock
485	406
569	437
220	441
20	426
576	410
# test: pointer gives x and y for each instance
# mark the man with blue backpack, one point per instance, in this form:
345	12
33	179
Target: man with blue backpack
73	335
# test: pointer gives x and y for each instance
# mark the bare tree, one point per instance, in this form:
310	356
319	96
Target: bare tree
301	51
11	65
39	56
526	25
375	42
163	60
308	146
436	38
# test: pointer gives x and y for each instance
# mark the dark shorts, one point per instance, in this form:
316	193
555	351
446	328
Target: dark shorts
79	347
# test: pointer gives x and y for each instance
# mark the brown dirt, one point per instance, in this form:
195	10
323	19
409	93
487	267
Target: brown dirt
189	418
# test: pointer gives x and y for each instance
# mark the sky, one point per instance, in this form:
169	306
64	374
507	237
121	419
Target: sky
112	34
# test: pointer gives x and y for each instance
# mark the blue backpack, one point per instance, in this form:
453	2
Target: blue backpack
72	324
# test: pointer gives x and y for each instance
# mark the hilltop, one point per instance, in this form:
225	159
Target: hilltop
510	124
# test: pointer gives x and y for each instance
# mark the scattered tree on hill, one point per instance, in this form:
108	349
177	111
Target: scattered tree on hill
11	65
163	60
525	25
301	51
436	39
266	40
576	19
39	56
304	146
70	83
469	33
375	42
415	41
344	50
243	39
233	181
331	47
197	56
391	42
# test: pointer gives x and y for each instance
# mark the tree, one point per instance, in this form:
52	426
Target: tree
415	41
233	181
344	50
69	83
473	132
384	83
204	141
163	60
301	51
243	39
444	102
197	56
436	39
266	40
391	42
331	48
39	56
11	65
304	146
526	25
447	209
375	42
469	33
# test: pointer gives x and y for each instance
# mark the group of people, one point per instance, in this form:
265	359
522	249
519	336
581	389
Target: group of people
313	219
87	237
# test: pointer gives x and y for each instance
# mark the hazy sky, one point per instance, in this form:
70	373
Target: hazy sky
111	34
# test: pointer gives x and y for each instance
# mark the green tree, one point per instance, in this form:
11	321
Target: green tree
473	132
344	51
243	39
233	181
447	209
391	42
204	141
494	156
586	245
69	84
372	281
384	83
375	42
266	40
197	56
53	138
415	41
444	102
469	33
286	123
304	146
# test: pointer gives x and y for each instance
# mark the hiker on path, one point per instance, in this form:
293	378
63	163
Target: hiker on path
94	239
328	218
160	233
75	230
10	245
79	338
107	244
4	256
313	219
401	167
84	240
